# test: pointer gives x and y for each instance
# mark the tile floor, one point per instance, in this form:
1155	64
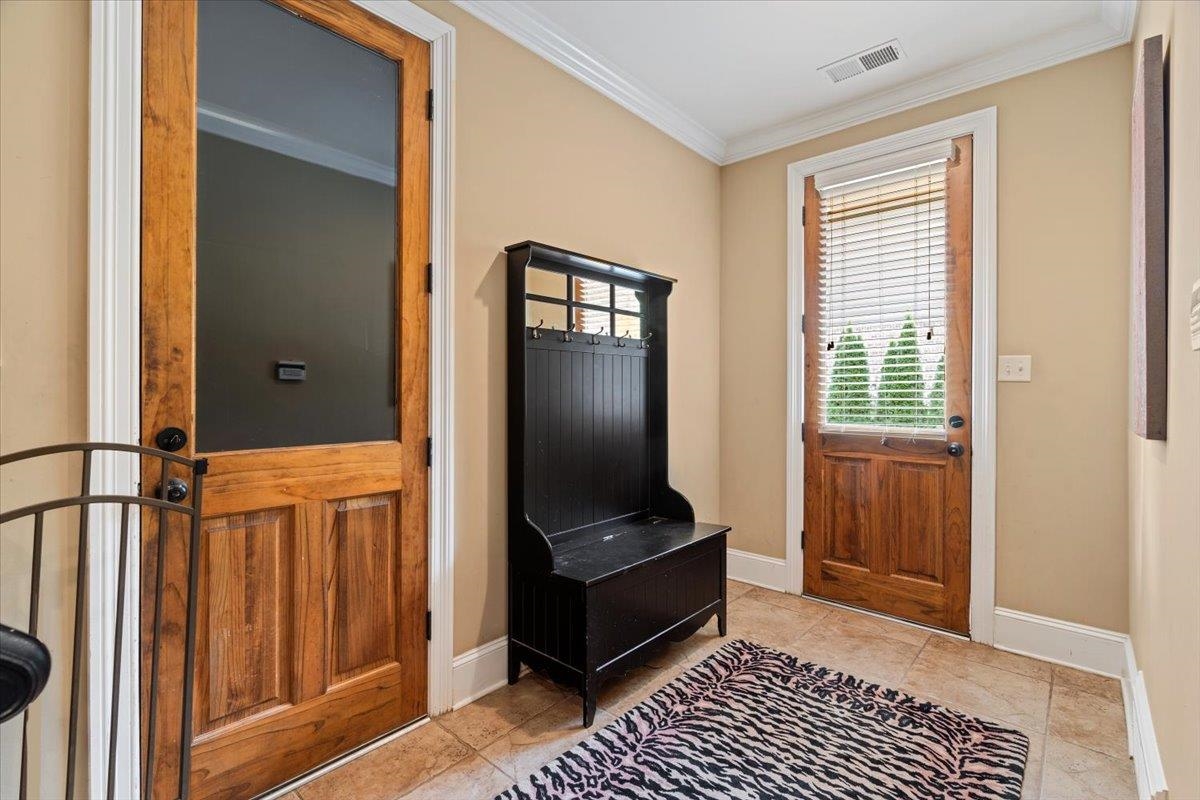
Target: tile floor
1074	720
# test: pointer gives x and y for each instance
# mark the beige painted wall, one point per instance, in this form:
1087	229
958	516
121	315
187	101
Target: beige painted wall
541	156
1164	477
1063	249
43	274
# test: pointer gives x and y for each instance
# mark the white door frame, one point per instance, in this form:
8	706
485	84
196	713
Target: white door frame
982	125
114	383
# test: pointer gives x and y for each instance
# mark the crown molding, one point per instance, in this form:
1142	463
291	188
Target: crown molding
1029	57
1120	15
522	23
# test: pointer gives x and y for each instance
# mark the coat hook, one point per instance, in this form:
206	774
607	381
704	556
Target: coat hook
595	337
620	337
645	342
567	333
537	333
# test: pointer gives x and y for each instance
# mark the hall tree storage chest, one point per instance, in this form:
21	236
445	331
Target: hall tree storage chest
606	562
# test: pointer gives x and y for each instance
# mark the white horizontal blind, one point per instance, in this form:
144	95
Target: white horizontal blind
602	294
882	296
593	293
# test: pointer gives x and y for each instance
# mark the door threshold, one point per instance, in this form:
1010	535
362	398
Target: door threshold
888	617
329	766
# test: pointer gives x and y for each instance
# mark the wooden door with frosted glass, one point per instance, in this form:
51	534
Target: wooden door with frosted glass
887	515
285	236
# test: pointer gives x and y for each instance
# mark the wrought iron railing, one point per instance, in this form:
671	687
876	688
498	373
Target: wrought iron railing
22	646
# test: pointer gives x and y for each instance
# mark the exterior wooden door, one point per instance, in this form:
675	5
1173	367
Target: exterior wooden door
887	430
285	237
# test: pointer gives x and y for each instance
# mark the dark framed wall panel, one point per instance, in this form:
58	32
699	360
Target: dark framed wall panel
1148	316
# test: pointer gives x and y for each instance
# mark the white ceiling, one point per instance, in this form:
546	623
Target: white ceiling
732	78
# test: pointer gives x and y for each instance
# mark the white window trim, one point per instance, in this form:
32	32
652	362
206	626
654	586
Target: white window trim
982	126
114	385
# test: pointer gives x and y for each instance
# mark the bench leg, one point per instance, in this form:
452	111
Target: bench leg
589	702
514	665
722	626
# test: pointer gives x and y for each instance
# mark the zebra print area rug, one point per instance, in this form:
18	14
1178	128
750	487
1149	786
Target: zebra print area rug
752	722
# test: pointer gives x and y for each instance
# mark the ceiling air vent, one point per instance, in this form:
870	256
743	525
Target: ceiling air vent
867	60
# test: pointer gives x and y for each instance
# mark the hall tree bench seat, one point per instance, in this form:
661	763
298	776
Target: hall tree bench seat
606	562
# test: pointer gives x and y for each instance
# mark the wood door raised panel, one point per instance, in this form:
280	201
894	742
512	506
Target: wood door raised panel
847	512
914	515
362	560
243	615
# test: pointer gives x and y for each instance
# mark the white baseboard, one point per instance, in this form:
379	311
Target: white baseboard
1067	643
1143	744
480	671
770	573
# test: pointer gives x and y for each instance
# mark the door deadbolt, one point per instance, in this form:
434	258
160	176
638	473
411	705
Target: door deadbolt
171	439
955	449
956	421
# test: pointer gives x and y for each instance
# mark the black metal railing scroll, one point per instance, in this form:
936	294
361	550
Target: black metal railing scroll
25	661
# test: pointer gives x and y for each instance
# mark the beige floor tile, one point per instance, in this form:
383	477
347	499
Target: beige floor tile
538	741
1088	720
976	688
490	717
862	654
473	778
1101	685
1077	773
621	694
792	602
877	626
735	589
982	653
1031	788
767	624
518	729
390	771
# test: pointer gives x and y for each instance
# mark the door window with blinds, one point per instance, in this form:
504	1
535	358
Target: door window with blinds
882	295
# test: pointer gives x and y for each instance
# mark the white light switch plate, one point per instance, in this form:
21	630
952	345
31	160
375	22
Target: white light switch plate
1015	368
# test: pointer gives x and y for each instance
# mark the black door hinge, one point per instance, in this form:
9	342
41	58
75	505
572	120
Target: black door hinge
429	451
429	626
802	538
804	323
803	216
803	430
429	278
429	105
